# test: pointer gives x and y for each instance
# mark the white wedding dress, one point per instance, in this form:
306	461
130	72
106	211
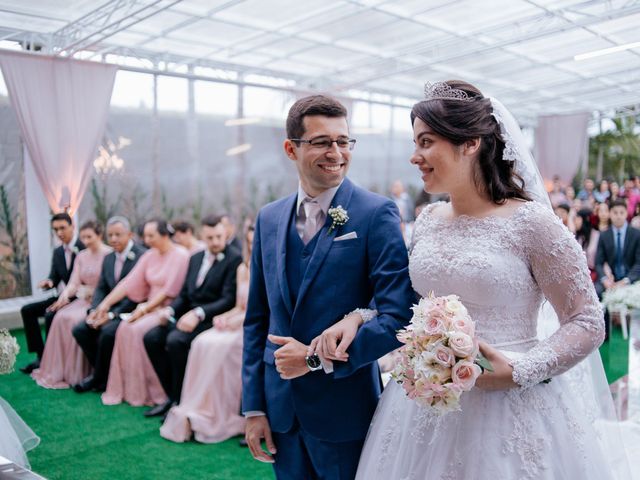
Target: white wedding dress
16	438
502	268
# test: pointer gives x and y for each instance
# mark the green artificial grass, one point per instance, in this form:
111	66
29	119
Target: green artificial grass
615	355
83	439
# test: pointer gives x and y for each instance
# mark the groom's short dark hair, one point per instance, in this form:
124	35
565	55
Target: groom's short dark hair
312	105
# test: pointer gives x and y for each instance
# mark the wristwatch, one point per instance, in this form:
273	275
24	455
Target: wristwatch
313	362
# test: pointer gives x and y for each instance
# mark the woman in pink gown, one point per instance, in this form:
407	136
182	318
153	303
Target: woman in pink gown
63	362
210	400
155	280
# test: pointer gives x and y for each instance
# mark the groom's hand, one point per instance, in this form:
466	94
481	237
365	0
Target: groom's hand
290	357
258	428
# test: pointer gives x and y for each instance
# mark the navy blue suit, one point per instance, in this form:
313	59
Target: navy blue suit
330	279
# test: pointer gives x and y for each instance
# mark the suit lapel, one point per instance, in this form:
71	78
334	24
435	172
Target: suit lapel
281	245
628	240
325	238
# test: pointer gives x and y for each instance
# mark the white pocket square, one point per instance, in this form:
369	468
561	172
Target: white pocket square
346	236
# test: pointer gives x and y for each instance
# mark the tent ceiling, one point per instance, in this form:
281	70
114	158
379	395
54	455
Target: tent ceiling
521	51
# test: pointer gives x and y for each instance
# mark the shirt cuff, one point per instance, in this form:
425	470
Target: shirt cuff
253	413
199	311
327	365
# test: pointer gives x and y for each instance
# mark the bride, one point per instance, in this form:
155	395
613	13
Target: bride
15	436
499	247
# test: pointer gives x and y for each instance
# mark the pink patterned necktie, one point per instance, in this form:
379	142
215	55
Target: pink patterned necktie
117	269
312	212
67	256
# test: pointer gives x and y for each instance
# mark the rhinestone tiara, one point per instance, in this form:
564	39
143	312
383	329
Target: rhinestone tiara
442	91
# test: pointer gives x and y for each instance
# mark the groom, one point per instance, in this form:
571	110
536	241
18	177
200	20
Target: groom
310	267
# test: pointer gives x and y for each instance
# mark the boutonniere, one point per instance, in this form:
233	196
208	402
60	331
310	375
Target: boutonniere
75	250
131	255
219	257
338	216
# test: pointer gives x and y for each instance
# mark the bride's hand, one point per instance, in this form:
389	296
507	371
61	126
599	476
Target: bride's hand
332	344
502	376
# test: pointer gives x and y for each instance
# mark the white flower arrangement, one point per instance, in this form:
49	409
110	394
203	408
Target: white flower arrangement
628	295
219	257
131	255
338	216
75	250
8	350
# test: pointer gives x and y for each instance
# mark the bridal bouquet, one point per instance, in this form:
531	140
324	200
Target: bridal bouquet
8	350
440	358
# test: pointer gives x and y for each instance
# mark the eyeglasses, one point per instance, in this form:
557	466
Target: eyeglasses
325	143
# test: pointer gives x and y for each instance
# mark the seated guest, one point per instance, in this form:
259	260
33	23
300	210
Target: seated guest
63	362
230	226
96	335
61	266
155	280
209	289
618	247
564	213
185	236
210	401
587	237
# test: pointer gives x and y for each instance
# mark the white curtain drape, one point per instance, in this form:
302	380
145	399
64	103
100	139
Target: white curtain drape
62	108
562	145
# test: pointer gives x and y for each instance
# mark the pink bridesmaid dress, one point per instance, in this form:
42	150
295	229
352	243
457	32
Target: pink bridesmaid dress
132	378
63	362
210	400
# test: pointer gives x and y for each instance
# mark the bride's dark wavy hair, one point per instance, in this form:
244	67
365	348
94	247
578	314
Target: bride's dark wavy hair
460	121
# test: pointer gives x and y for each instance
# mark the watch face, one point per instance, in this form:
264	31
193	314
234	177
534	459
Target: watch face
313	362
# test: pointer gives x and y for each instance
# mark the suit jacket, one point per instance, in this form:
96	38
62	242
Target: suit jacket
340	277
606	253
59	272
108	280
217	294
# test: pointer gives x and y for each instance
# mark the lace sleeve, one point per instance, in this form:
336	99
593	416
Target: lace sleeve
560	269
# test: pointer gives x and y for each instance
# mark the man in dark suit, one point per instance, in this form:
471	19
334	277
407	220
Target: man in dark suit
61	266
96	335
208	290
618	254
619	248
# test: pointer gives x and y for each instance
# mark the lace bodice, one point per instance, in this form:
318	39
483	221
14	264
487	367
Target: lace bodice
502	269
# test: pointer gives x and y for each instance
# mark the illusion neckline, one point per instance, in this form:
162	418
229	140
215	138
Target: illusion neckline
464	218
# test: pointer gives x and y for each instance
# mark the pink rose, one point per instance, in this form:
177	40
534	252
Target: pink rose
461	344
464	374
435	325
463	324
444	356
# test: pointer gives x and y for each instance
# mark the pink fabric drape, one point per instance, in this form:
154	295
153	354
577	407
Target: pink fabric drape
562	145
62	108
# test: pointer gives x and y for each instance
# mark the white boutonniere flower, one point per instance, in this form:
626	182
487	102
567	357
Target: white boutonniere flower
75	250
131	255
338	216
219	257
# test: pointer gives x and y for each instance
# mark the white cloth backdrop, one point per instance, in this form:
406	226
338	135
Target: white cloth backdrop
562	145
62	108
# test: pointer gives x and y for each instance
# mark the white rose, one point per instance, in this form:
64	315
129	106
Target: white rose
454	306
461	344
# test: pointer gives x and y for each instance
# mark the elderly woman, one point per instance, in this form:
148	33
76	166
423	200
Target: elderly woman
154	281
